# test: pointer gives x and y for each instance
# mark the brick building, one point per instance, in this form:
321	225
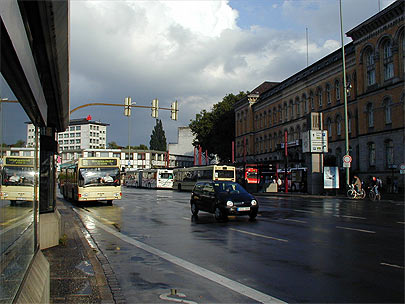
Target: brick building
375	66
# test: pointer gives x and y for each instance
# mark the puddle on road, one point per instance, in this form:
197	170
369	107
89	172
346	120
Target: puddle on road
140	283
86	267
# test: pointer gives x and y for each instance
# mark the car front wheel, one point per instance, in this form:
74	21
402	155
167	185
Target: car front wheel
219	215
194	209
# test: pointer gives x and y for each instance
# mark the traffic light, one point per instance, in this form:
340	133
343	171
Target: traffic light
155	107
127	106
174	110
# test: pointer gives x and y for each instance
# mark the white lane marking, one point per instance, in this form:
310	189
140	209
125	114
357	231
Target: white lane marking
217	278
259	235
305	211
295	221
351	217
354	229
392	265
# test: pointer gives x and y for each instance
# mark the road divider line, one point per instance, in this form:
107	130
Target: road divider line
295	221
351	217
354	229
392	265
259	235
305	211
208	274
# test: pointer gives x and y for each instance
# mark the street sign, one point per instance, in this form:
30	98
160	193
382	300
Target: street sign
347	159
315	141
402	169
346	165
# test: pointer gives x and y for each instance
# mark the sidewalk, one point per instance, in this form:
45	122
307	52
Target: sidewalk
80	273
386	197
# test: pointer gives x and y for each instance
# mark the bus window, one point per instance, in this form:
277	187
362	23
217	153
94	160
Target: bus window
99	176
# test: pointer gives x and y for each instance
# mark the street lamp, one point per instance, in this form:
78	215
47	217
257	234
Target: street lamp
345	88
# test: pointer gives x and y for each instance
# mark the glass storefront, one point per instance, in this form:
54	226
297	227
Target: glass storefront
18	195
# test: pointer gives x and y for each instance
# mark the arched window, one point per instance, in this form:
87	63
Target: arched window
337	90
328	98
388	62
270	143
389	153
274	116
370	66
269	118
329	126
305	102
280	114
320	97
285	112
387	104
370	115
291	109
371	154
338	125
298	106
311	100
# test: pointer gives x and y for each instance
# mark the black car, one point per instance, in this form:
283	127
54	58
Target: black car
223	198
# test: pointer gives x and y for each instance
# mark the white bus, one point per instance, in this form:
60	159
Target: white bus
17	176
185	178
91	179
157	178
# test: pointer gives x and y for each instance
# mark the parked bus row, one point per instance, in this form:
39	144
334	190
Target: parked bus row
180	178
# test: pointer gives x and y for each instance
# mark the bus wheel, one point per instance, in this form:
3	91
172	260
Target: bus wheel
13	203
109	203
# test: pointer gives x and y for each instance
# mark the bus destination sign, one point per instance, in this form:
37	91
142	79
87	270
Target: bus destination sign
100	162
17	161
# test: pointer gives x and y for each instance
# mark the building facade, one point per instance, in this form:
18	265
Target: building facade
375	68
81	134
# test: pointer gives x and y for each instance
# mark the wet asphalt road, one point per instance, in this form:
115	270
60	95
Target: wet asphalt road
298	250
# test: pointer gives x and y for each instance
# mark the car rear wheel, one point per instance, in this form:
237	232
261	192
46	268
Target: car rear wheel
194	209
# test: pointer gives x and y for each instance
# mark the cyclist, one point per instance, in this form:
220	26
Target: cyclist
357	183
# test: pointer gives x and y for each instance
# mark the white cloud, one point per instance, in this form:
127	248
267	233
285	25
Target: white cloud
191	51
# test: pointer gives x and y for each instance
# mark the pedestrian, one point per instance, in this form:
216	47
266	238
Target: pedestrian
357	183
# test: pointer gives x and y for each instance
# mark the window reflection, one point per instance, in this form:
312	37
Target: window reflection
17	174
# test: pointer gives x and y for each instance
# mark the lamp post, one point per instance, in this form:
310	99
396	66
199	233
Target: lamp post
345	94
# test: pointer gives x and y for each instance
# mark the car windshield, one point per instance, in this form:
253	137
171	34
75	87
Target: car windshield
229	187
99	177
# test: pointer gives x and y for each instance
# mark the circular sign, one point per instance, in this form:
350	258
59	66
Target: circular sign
347	159
402	167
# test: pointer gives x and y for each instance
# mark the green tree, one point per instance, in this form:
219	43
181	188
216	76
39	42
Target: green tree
113	145
158	137
19	144
214	131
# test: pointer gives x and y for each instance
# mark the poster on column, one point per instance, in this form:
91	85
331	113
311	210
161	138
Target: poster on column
331	177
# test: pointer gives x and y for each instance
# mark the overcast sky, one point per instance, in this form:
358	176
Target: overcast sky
195	52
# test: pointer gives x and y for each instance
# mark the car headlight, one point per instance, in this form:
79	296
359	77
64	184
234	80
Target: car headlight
229	203
253	203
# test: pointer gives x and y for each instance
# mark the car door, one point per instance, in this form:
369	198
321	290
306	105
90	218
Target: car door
210	198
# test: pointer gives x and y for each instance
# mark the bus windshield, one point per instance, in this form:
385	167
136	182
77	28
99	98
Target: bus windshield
99	177
18	176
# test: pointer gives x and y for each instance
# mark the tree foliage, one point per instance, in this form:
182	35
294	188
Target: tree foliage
214	131
158	137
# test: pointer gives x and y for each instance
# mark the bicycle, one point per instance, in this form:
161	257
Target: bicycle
354	194
373	194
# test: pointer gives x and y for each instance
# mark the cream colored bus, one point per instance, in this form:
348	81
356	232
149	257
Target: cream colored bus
91	179
185	178
17	179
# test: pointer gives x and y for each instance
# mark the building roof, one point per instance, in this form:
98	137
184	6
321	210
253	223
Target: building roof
84	121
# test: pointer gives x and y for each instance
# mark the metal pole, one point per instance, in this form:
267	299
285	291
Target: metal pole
345	94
